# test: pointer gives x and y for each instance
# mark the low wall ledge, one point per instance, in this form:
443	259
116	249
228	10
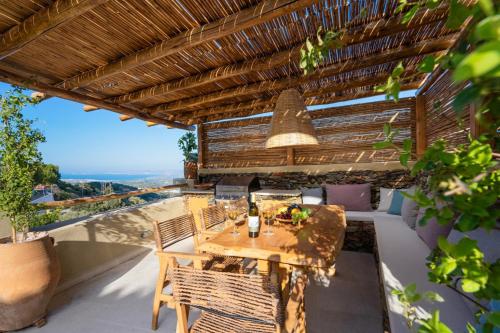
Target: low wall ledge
309	169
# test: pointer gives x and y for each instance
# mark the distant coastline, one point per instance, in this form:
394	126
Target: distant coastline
110	177
136	180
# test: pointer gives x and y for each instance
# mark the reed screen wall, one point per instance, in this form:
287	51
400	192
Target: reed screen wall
346	135
441	118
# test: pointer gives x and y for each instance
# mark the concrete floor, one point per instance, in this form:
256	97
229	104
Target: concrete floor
120	300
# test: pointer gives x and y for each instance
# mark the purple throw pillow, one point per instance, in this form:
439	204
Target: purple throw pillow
353	197
430	232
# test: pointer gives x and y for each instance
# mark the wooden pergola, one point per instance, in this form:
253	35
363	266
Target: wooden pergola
188	62
198	62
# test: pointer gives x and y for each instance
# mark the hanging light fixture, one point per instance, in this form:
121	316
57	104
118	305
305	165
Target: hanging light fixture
291	125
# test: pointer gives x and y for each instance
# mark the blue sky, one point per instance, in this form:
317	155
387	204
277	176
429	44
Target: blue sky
98	142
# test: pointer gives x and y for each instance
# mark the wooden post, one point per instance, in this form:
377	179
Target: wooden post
475	127
290	156
201	163
420	125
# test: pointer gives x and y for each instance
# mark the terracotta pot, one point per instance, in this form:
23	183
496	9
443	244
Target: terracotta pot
29	273
190	170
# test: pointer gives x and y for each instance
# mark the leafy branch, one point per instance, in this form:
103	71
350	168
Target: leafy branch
187	144
19	162
463	184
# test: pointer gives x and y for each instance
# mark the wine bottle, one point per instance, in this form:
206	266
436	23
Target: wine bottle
253	218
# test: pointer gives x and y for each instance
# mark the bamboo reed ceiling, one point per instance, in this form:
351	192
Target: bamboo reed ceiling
192	61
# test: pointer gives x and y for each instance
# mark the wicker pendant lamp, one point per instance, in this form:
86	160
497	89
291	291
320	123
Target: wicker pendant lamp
291	125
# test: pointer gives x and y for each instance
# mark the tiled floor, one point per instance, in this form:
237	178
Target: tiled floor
120	300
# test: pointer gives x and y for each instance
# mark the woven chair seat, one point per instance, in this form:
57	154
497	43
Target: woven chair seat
225	264
215	323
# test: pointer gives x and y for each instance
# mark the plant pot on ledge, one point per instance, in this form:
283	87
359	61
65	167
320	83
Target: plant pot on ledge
29	273
190	170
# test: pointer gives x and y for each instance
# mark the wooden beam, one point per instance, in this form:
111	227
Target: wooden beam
475	127
331	87
263	12
375	29
310	101
40	23
290	156
420	125
399	53
267	105
151	124
201	154
88	108
74	96
125	118
39	96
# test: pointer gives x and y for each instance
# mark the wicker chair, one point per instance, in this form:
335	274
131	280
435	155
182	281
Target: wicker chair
167	233
212	216
230	302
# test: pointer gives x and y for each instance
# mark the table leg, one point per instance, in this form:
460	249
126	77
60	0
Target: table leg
284	272
295	316
263	266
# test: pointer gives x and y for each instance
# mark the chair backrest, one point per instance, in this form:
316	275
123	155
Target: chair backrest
194	204
243	296
212	216
173	230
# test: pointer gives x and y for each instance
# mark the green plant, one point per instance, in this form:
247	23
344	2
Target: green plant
187	144
47	174
463	183
19	161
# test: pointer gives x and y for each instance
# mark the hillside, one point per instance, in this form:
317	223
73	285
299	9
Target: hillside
71	190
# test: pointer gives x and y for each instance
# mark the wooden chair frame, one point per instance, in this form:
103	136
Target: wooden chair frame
184	223
275	271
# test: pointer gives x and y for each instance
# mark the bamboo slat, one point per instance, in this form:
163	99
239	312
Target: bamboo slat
378	28
346	134
193	61
42	22
267	10
441	118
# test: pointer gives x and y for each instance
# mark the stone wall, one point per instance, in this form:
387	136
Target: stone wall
296	180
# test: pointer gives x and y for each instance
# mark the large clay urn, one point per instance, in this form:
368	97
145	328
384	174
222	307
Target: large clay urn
29	273
190	170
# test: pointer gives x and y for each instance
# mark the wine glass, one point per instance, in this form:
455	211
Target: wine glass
268	217
233	215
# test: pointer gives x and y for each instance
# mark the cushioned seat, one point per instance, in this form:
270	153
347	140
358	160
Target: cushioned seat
402	257
352	215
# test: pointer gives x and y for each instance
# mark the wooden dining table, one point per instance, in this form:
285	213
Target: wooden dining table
309	248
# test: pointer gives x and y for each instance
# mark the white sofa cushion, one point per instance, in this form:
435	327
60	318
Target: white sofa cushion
402	257
385	199
352	215
312	196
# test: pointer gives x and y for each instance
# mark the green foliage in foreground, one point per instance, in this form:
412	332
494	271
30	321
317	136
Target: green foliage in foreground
19	161
47	174
463	184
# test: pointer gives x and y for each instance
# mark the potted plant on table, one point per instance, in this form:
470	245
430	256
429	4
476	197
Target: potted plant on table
29	267
187	144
